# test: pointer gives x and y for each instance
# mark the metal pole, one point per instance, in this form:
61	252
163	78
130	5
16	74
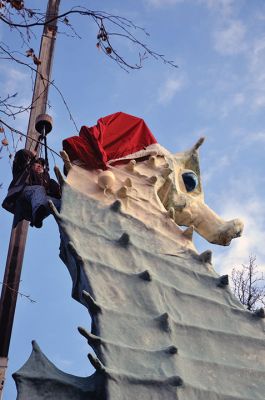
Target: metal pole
18	236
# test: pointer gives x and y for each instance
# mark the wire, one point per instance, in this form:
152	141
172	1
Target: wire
32	139
54	163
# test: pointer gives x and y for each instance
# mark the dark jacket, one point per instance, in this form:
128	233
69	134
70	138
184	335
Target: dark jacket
22	176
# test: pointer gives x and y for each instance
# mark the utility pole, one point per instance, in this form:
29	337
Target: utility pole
18	236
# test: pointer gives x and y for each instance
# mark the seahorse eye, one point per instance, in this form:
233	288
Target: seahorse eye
190	180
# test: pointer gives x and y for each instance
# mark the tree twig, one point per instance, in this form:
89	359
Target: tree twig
249	284
27	296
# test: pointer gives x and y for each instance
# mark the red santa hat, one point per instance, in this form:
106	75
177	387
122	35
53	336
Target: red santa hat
114	137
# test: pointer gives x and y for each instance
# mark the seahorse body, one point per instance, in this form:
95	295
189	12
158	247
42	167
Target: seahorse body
164	324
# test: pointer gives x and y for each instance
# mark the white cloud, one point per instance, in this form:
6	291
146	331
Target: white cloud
250	208
230	103
220	163
232	91
259	101
223	7
254	138
256	62
258	53
14	80
62	363
260	16
169	88
239	99
163	3
252	240
230	39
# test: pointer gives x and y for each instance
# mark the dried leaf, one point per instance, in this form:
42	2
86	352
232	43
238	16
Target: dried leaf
108	50
36	60
17	4
2	129
4	142
2	4
102	35
30	13
29	52
98	45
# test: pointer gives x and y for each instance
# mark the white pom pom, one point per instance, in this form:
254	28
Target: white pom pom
106	180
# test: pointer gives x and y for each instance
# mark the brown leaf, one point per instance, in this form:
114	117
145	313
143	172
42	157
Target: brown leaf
17	4
2	129
4	142
36	60
30	13
29	52
108	50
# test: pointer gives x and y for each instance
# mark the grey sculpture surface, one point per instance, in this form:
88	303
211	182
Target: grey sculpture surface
164	324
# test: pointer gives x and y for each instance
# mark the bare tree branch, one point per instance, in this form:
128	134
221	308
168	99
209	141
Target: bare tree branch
24	134
110	29
104	21
27	296
249	285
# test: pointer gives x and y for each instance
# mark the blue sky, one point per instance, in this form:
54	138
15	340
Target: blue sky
218	91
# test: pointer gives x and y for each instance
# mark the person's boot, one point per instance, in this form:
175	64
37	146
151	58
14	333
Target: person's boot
40	214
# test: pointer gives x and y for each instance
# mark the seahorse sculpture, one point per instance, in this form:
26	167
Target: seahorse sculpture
164	324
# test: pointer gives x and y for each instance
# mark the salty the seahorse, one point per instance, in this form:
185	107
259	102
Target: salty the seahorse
164	324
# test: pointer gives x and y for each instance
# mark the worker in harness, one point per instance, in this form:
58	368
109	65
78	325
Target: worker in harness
31	189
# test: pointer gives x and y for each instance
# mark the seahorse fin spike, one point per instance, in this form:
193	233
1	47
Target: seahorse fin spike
175	381
198	144
146	275
91	339
122	192
152	161
54	210
171	350
97	364
116	206
164	321
206	257
128	182
223	281
124	240
260	312
66	160
59	176
131	165
92	304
